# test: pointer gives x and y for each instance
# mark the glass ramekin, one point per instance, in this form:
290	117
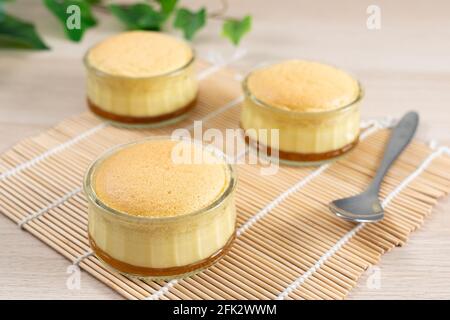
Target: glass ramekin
160	247
305	138
142	101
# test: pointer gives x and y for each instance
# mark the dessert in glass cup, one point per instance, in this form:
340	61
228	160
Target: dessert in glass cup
314	106
153	217
141	78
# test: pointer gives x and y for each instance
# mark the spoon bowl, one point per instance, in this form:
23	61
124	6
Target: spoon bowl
361	208
366	207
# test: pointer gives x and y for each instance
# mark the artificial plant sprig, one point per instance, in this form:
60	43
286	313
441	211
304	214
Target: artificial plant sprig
77	16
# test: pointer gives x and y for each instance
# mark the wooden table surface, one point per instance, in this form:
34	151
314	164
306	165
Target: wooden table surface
404	65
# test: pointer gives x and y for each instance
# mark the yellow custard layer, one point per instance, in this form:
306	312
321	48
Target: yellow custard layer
141	74
314	106
170	214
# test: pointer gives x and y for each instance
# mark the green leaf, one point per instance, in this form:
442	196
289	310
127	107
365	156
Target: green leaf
234	29
15	33
167	6
189	21
75	15
2	3
140	16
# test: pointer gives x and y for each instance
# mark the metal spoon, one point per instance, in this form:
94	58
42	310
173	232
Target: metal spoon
366	206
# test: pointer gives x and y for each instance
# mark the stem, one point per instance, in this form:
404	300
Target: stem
101	7
220	14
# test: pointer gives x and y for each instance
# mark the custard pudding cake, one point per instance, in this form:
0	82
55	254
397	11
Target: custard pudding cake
314	106
141	77
151	216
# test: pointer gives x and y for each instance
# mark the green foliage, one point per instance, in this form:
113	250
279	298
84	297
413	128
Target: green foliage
190	22
75	16
167	6
234	29
3	1
140	16
15	33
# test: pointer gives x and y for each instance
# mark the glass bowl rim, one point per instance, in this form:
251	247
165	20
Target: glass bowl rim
92	197
259	102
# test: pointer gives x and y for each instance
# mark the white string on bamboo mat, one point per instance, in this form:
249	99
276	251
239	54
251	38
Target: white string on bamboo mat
218	111
300	280
162	291
82	257
221	63
415	174
52	205
371	125
25	165
50	152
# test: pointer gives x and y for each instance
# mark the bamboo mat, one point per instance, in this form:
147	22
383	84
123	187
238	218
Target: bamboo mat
288	245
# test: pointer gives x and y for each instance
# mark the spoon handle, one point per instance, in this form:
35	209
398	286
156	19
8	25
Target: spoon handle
400	137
